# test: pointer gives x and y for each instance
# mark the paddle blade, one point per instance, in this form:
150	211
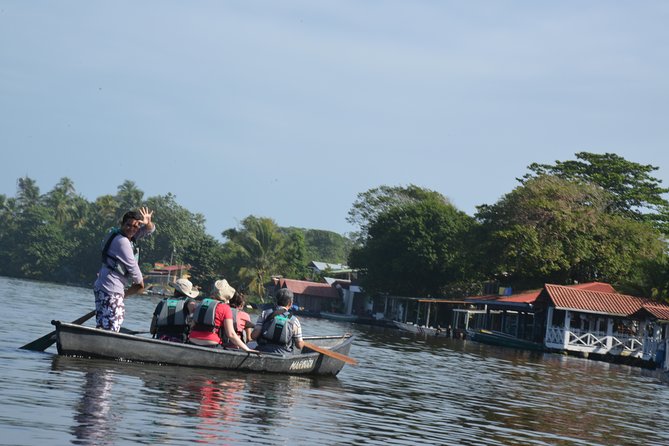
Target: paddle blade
330	353
48	340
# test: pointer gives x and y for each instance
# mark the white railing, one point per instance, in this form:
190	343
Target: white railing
599	342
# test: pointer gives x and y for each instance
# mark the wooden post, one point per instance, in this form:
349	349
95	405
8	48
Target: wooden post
609	333
549	323
567	324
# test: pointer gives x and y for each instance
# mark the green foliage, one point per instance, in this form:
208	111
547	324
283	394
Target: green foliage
322	246
181	238
256	252
294	253
372	203
57	236
552	230
634	192
414	249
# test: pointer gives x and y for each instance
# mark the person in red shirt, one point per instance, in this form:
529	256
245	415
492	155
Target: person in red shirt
241	319
213	318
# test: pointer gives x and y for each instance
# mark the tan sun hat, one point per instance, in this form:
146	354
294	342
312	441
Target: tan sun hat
222	291
186	287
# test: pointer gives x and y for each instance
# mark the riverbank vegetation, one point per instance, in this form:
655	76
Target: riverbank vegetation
595	218
56	237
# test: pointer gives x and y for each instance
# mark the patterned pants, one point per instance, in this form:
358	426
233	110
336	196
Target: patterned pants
109	310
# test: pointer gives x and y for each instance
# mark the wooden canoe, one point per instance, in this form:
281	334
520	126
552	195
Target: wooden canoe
77	340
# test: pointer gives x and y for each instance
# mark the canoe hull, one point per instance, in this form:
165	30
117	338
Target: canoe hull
76	340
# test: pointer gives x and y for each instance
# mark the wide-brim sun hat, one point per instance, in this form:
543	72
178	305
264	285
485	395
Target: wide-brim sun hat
185	287
222	290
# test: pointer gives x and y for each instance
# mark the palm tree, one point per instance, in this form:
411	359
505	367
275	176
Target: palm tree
27	193
106	208
258	241
62	200
128	196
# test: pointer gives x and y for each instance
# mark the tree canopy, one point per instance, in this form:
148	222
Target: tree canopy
596	218
553	230
635	193
370	204
413	248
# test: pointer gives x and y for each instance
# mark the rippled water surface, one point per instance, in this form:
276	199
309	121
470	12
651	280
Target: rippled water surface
406	390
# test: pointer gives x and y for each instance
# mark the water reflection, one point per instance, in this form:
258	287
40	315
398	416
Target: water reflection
94	417
215	407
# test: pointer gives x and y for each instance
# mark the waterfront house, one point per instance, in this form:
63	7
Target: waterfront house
158	279
590	318
312	297
606	323
514	314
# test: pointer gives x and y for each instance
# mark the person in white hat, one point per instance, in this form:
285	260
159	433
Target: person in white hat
172	316
212	320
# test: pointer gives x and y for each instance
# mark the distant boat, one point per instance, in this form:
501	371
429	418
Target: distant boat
504	340
419	329
339	316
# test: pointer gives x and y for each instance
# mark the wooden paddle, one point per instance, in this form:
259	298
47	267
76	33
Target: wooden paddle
48	340
330	353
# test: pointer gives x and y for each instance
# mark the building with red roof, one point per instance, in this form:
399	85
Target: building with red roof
314	297
585	318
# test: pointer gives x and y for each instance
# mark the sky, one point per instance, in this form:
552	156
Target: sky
290	109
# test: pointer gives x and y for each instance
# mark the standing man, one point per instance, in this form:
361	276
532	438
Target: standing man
277	330
120	268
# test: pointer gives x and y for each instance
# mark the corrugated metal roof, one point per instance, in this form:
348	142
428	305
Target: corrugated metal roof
310	288
572	298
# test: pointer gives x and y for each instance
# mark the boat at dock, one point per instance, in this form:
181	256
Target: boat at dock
504	340
419	329
77	340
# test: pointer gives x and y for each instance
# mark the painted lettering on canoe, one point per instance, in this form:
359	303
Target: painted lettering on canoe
302	364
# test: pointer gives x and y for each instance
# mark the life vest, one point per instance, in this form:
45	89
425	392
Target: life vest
204	316
171	314
277	329
112	262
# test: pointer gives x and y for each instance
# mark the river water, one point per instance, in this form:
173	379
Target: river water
406	390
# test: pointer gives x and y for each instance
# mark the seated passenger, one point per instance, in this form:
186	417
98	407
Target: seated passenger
277	330
212	320
241	320
172	315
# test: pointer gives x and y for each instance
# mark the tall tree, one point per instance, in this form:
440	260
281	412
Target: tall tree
129	196
414	249
27	193
370	204
559	231
320	245
293	251
62	199
257	244
635	193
